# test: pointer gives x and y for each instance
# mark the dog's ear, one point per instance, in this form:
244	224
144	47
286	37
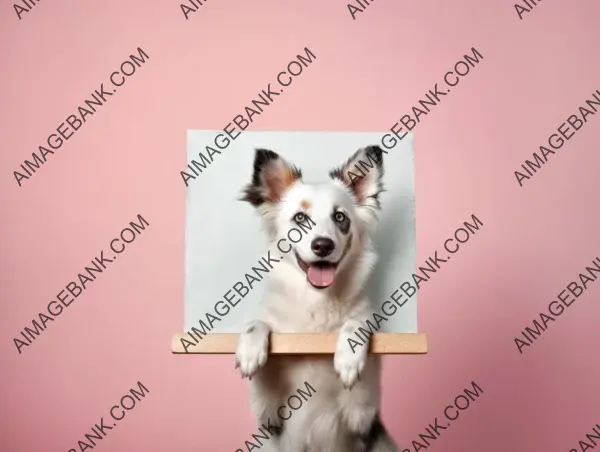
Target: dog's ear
272	176
363	175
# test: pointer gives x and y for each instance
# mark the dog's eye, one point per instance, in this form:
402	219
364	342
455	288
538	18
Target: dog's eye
339	217
299	217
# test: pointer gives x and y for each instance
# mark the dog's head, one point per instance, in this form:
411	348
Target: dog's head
330	220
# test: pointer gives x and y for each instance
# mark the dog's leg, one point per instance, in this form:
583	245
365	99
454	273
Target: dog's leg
252	348
361	401
360	412
251	358
348	363
265	399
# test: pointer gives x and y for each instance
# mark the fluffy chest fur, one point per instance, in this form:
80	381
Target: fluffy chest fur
292	306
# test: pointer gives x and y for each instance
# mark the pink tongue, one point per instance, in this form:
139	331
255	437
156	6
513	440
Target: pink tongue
321	276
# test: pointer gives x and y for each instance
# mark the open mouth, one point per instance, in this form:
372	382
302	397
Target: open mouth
320	274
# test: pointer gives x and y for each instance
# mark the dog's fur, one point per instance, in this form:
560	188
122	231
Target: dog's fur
343	415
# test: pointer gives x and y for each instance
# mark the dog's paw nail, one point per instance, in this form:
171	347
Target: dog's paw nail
348	368
251	354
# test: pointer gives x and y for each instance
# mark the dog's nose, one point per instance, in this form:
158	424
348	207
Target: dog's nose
322	246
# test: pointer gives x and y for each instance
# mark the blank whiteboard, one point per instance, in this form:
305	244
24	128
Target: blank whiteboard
225	238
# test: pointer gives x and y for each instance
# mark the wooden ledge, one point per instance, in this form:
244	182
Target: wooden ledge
302	343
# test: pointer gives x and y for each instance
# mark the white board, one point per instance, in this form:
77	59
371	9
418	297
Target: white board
224	237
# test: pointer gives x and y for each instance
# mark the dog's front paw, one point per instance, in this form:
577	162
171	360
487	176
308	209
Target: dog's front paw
348	365
252	348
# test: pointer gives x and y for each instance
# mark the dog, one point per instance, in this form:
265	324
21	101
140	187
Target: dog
318	286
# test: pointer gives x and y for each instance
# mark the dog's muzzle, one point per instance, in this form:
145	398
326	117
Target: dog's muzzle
321	274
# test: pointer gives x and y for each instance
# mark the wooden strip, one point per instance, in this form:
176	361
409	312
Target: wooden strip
302	343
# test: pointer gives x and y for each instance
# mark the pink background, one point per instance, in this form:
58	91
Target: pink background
368	72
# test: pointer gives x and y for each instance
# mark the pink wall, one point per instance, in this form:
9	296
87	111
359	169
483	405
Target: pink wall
126	160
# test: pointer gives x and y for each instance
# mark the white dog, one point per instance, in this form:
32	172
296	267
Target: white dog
317	287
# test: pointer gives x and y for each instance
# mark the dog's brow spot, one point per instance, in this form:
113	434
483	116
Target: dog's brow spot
305	204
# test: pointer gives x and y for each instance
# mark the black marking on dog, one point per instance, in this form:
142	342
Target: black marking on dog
250	329
340	172
337	173
255	192
348	246
375	153
253	195
261	158
344	225
376	432
276	430
345	174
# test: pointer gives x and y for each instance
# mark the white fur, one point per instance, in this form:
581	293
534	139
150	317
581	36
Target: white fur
347	388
